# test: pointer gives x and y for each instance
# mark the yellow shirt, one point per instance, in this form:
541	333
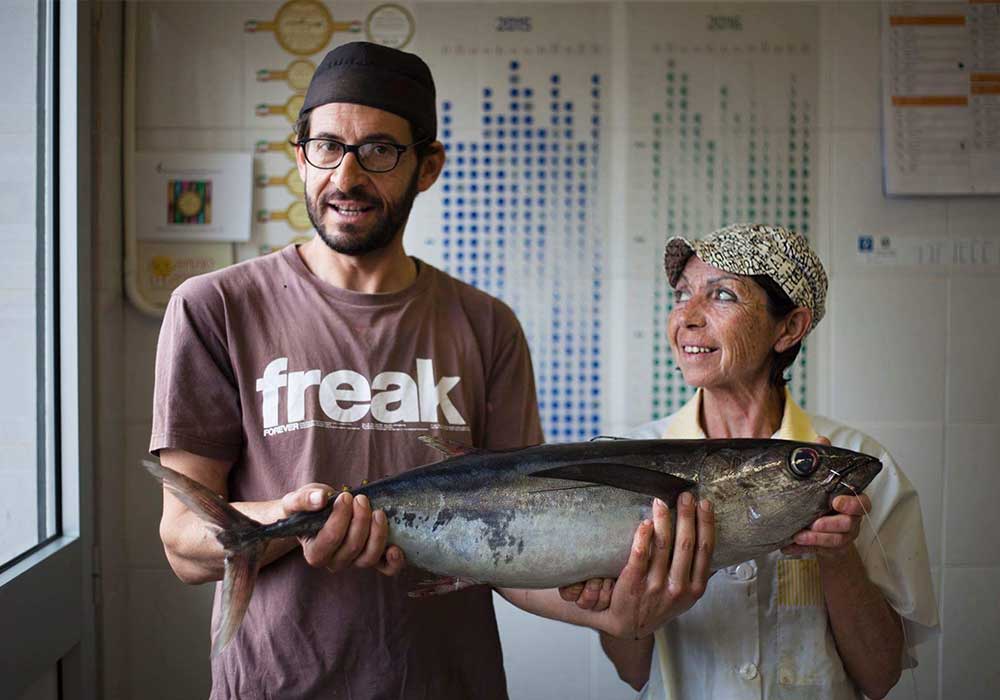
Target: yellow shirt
795	423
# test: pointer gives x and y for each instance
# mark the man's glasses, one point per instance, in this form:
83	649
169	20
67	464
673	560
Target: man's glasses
373	156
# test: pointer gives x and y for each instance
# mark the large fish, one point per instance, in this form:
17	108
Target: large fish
552	515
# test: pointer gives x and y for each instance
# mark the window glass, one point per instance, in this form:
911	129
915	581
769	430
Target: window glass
27	484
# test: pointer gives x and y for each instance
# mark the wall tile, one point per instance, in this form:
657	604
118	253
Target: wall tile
143	504
535	648
175	43
219	139
973	482
888	348
973	349
974	216
922	681
141	334
971	619
852	28
919	451
860	207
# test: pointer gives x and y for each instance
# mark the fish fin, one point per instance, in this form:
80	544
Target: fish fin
237	587
449	448
440	586
208	505
651	482
239	535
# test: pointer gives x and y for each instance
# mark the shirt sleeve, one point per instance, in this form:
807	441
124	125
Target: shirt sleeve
196	405
896	559
512	418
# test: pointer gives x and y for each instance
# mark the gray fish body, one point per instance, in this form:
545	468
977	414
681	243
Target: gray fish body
554	515
495	518
510	529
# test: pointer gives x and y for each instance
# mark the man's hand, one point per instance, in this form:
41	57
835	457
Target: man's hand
593	594
353	535
654	586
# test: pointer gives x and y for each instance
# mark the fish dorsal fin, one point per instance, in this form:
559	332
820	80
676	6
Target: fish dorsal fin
449	448
650	482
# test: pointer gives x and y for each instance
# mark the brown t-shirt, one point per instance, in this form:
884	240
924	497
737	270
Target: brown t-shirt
294	381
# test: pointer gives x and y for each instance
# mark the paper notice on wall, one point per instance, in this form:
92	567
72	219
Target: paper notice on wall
929	252
193	196
941	97
162	267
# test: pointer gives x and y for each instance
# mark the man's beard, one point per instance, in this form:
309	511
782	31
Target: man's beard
348	239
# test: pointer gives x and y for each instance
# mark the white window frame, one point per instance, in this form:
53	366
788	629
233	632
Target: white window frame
47	598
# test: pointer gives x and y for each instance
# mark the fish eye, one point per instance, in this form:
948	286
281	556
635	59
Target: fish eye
803	462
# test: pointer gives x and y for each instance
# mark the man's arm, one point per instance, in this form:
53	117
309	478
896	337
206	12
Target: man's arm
868	632
351	536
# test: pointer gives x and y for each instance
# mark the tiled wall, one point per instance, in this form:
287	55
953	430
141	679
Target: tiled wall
913	360
909	355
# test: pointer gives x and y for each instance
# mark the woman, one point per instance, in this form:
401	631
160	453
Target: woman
822	617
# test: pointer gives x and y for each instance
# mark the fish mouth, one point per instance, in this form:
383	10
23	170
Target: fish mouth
854	475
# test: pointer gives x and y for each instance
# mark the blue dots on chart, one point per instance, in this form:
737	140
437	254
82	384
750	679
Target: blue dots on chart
519	220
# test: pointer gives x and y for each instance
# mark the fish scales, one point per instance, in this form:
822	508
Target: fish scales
553	515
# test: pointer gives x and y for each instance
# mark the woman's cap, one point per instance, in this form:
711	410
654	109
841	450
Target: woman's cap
757	249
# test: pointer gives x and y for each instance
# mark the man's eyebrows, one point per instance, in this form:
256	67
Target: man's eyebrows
377	136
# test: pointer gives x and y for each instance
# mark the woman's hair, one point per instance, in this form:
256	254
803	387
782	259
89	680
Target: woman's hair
779	305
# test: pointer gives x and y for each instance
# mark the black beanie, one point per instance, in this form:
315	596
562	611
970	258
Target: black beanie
377	76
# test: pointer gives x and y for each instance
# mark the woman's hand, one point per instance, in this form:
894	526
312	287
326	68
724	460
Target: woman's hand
832	536
665	575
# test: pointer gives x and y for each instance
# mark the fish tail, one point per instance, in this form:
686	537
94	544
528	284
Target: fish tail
241	537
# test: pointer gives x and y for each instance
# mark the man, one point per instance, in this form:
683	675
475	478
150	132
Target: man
318	366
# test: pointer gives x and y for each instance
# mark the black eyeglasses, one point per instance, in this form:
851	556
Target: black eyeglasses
373	156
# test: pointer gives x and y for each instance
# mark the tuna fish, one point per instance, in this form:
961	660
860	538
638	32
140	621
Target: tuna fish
553	515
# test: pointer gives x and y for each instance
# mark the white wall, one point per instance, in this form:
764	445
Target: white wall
909	355
912	357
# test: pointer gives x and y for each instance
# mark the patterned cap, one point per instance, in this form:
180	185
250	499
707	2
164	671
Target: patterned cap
757	249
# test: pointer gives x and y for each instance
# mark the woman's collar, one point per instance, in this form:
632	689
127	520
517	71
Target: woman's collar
686	423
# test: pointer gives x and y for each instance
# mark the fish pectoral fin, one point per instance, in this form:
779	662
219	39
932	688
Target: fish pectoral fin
650	482
440	586
449	448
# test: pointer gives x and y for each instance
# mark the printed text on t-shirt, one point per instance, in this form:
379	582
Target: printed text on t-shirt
346	397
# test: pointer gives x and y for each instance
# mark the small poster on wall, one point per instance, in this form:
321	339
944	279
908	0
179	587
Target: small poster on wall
163	266
193	196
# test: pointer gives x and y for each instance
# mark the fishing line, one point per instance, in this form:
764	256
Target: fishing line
885	559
